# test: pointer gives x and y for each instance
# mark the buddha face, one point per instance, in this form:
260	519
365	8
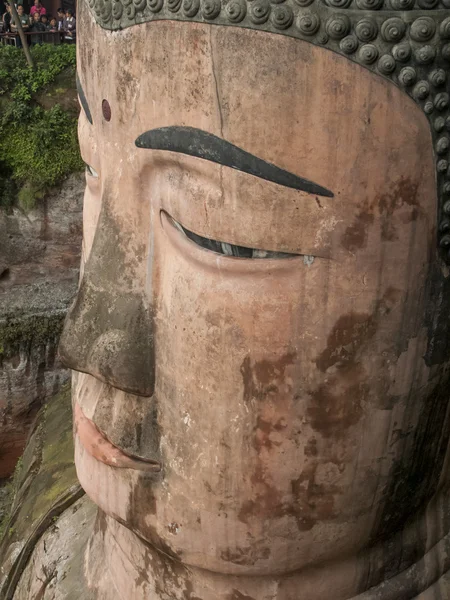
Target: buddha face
249	332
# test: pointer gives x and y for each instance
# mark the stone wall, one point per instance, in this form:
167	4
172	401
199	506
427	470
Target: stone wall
39	261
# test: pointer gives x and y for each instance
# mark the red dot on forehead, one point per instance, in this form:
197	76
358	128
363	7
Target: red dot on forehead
106	110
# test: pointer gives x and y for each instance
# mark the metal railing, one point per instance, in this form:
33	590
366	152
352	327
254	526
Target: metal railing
34	37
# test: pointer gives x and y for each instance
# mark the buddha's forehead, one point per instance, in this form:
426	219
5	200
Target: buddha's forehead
299	106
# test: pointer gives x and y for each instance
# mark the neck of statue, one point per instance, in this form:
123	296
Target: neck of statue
120	566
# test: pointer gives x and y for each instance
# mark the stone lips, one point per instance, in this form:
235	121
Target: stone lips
411	48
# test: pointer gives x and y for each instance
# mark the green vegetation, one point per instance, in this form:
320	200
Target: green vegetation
8	490
45	472
38	139
26	332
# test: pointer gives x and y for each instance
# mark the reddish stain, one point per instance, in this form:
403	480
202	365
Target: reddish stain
403	193
262	435
311	447
349	333
355	236
264	376
312	501
337	405
267	500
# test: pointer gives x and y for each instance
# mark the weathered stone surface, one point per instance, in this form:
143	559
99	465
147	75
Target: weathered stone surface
39	263
44	486
298	407
41	246
256	429
55	570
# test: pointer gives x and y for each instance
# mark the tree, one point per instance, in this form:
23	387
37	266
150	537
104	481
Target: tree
23	39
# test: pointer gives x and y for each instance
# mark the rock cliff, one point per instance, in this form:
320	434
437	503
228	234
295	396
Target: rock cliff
39	261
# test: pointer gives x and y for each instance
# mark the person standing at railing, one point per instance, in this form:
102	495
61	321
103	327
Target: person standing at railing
69	27
37	27
60	19
38	8
24	19
53	26
7	19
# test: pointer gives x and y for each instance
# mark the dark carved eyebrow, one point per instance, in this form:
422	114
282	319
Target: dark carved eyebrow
83	101
198	143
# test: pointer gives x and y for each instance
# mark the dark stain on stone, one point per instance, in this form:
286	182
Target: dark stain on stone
313	502
352	331
267	499
263	377
355	236
306	502
403	193
100	525
413	216
245	556
337	404
164	572
237	595
413	480
173	528
139	434
262	435
349	333
15	360
144	573
437	321
142	503
311	447
246	372
188	593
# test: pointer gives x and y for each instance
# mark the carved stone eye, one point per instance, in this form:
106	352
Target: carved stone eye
229	249
91	171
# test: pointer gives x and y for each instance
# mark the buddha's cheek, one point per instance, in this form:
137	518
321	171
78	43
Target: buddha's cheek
257	441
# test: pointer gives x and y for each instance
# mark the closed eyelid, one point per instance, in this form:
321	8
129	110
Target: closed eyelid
232	250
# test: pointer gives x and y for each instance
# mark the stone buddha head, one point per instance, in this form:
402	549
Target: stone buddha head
260	333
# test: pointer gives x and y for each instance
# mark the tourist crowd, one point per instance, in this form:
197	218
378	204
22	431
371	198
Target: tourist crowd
38	22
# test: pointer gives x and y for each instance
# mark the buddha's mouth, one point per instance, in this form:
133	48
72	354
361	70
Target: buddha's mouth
99	447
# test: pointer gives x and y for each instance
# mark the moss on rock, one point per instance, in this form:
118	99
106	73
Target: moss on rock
45	473
27	331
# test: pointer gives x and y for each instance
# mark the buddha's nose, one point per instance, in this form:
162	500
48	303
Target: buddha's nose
108	332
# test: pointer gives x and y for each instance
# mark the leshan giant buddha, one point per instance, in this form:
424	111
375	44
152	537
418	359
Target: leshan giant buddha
260	337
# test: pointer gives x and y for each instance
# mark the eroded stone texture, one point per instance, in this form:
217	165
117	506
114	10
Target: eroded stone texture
44	488
55	569
39	264
297	407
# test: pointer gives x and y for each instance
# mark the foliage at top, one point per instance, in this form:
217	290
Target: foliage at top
38	146
22	81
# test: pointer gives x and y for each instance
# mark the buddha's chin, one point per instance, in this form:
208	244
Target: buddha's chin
173	525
